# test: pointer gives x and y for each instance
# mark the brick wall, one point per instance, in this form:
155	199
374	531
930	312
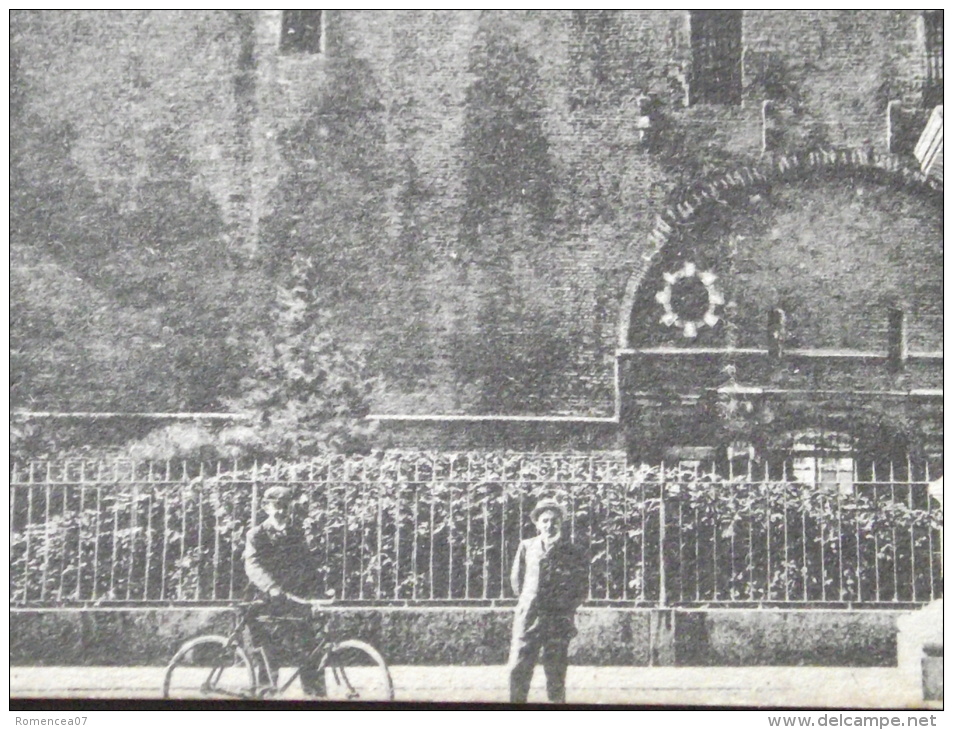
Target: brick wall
127	80
834	254
497	154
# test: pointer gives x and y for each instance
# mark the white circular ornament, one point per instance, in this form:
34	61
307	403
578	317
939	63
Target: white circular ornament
664	297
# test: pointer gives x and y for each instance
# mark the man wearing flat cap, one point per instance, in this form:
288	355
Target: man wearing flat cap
550	576
278	561
283	573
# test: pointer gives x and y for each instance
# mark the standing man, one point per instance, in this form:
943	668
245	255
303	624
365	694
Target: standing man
284	573
550	576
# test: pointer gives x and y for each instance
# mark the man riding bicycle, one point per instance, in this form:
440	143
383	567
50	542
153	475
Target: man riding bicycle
283	573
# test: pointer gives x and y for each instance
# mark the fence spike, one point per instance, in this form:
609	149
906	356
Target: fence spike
599	505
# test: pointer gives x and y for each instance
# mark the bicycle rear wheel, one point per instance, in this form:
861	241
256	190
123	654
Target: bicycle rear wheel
209	667
356	671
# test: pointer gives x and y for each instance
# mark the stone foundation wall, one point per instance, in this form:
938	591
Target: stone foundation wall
480	636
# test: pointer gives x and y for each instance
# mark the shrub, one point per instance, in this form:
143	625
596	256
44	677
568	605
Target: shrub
423	526
307	391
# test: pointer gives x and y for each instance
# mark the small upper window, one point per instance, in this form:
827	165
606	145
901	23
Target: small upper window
933	45
302	31
716	57
823	458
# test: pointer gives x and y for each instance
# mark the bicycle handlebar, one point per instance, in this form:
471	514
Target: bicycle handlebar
314	603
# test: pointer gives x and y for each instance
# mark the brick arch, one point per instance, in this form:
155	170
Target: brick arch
737	184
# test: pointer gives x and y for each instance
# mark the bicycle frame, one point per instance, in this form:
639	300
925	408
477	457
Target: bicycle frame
320	646
212	681
243	663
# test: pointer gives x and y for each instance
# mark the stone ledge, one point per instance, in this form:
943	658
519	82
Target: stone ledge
480	636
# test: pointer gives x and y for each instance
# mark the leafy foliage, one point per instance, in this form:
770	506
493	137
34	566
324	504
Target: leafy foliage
329	202
517	353
308	391
508	168
107	309
422	526
110	542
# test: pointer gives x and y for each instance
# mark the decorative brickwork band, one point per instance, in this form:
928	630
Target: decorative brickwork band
736	185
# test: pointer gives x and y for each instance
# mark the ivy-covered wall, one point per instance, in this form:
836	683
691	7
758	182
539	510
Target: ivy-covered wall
477	187
519	191
835	254
130	276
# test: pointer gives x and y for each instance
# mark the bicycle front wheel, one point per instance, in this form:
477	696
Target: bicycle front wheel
209	667
356	671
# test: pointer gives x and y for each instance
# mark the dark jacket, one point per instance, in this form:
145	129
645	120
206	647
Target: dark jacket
551	583
282	559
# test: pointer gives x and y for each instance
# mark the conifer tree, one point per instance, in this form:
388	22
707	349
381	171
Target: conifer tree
307	391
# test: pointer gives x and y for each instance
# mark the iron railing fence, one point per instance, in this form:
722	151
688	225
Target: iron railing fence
425	528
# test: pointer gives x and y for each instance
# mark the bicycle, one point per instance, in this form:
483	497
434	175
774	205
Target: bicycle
219	667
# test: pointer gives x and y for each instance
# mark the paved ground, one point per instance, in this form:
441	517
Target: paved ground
725	686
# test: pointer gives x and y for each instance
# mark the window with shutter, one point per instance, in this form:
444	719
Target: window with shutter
302	31
716	57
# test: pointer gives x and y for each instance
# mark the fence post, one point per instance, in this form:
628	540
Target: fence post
662	597
788	542
254	494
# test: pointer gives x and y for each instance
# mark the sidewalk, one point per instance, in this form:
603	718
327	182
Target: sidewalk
726	686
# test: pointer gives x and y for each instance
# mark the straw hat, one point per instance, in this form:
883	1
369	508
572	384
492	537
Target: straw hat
548	504
277	494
